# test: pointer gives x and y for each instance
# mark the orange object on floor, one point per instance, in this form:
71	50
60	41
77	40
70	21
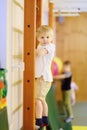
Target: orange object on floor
1	84
3	103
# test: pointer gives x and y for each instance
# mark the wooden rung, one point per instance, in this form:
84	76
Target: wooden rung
20	56
18	30
17	82
18	4
17	108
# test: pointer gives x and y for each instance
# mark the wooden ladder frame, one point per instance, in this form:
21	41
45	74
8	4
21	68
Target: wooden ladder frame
32	20
29	58
51	14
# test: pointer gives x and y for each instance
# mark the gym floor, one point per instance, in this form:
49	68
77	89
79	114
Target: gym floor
80	114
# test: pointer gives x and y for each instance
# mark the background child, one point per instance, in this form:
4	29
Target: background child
74	87
66	88
44	55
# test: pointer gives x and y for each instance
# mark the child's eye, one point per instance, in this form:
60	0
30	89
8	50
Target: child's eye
42	37
47	36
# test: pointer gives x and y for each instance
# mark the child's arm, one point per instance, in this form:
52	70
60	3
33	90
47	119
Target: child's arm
61	76
41	52
47	49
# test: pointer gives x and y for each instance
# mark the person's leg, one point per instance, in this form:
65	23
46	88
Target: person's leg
44	103
45	113
39	110
73	98
68	105
73	101
42	88
39	106
45	108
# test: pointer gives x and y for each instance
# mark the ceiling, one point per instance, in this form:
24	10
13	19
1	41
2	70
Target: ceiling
70	5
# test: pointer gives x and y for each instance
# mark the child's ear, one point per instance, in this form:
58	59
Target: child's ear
38	39
52	40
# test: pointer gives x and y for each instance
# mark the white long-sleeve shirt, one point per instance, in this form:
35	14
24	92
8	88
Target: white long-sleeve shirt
43	63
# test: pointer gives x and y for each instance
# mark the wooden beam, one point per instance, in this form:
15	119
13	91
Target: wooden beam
29	47
38	13
51	14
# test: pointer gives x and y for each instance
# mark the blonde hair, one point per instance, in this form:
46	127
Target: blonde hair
44	29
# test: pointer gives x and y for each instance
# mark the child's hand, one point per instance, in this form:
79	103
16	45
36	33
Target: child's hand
41	52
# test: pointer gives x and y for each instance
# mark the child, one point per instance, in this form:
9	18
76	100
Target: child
44	55
74	87
66	89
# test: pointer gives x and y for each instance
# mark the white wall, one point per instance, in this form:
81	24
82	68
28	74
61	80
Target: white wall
44	12
3	9
80	5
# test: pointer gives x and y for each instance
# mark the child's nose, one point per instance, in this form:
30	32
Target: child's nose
45	39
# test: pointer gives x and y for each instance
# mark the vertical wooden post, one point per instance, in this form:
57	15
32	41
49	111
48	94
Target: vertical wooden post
38	13
29	47
51	14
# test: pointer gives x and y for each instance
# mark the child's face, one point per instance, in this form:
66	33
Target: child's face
67	68
45	38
